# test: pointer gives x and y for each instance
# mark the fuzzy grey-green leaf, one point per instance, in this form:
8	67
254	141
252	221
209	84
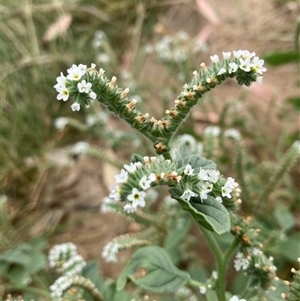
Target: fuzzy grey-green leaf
208	213
152	269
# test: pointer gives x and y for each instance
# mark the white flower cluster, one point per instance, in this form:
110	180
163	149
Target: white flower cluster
212	130
185	293
210	283
137	196
207	178
241	262
65	259
60	285
60	123
64	84
134	179
195	146
236	298
176	48
233	134
110	251
244	60
215	132
80	147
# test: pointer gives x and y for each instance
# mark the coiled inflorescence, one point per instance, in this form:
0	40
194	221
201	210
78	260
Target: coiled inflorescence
135	179
85	85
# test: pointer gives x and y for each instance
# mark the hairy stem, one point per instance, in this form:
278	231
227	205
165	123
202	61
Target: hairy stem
220	289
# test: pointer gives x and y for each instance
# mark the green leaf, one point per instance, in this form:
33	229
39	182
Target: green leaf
111	294
38	259
174	238
210	214
289	248
283	217
152	269
185	157
278	58
16	256
91	271
295	102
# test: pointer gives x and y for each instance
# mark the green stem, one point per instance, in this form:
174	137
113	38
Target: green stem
220	263
231	249
194	283
167	155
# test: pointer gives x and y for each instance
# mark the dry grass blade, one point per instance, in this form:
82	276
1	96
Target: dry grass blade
58	28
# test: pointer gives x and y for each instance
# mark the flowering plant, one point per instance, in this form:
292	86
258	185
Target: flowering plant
193	181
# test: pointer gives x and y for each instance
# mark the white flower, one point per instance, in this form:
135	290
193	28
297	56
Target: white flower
219	199
237	54
61	82
75	106
214	58
84	87
80	148
188	170
92	95
232	133
222	71
226	55
105	205
259	79
230	183
206	188
103	58
76	72
63	93
152	177
202	290
129	208
145	183
60	285
110	251
246	54
203	194
229	186
235	298
214	275
213	175
245	64
60	123
257	65
122	177
203	174
187	194
257	252
137	198
212	130
241	262
115	192
61	252
130	168
233	67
